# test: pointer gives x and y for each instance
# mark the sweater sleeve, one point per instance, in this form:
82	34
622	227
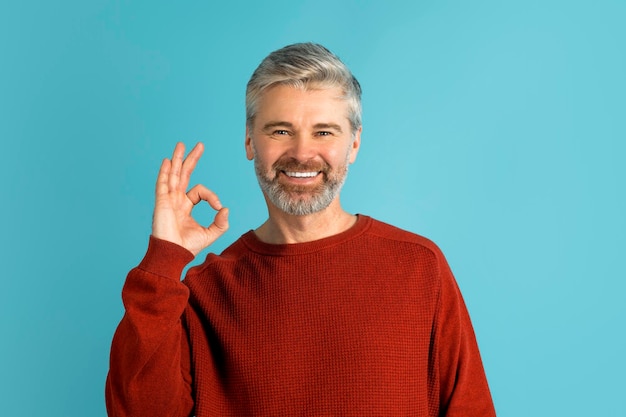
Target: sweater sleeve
149	373
464	391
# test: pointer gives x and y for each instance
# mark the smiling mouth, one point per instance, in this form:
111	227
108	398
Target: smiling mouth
296	174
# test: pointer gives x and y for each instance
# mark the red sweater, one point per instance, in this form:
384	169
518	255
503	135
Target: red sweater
369	322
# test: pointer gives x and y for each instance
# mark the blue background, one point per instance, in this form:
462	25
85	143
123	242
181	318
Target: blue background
495	128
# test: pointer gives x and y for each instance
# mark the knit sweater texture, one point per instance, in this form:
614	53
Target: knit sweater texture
369	322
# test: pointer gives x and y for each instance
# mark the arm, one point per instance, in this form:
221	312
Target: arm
150	370
464	391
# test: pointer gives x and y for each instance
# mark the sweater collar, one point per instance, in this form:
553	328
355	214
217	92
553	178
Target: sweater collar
254	244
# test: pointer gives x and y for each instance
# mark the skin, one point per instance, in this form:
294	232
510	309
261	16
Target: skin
172	220
301	126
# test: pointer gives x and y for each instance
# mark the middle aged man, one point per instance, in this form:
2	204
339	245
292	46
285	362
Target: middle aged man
317	312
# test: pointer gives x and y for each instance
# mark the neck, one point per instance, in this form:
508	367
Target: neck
283	228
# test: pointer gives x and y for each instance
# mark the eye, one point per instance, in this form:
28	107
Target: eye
324	133
280	132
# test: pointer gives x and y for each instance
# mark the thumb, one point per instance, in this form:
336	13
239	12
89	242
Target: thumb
220	222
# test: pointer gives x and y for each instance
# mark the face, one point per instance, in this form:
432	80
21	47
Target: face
302	144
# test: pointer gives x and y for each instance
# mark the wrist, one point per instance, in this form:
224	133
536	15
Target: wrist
165	258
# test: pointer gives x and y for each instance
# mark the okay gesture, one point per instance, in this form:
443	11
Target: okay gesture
172	219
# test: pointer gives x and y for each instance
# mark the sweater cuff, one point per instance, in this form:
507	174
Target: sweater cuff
165	258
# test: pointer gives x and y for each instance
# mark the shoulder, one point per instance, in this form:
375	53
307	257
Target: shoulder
400	252
403	249
214	261
393	234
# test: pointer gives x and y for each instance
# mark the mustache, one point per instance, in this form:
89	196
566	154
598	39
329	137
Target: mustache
291	164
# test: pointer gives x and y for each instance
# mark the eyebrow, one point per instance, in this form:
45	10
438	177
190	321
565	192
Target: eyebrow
270	125
332	126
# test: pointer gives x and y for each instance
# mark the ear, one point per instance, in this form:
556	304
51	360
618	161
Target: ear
248	144
356	144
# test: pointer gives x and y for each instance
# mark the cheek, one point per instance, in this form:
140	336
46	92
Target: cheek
265	164
343	156
269	151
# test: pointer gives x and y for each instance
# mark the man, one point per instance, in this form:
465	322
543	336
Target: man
316	312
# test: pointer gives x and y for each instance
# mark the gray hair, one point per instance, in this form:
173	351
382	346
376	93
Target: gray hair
304	66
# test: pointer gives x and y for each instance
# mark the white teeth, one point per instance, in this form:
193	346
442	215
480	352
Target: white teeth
301	174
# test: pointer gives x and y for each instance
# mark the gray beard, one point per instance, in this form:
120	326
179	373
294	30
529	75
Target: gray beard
294	200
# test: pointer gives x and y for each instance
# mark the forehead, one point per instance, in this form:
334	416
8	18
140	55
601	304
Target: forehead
287	102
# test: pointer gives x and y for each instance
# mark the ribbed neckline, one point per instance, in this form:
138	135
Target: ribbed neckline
254	244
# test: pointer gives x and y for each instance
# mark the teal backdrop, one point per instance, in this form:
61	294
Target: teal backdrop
495	128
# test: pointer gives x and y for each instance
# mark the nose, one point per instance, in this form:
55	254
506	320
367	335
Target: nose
302	148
